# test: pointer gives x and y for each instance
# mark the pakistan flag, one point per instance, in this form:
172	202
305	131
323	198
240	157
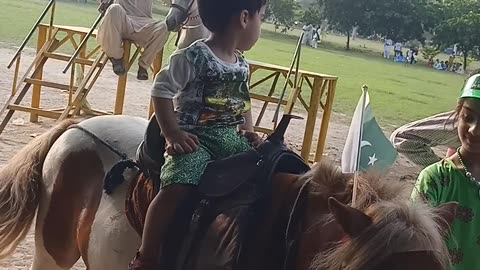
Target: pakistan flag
366	146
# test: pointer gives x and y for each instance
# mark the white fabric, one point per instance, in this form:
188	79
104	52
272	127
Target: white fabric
351	150
307	37
132	20
173	77
398	46
386	53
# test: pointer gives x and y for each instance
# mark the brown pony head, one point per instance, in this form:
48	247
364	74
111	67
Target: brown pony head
385	231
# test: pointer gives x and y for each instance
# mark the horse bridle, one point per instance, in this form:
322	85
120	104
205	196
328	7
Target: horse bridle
293	229
185	12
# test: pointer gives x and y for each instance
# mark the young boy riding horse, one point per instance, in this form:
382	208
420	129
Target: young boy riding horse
201	102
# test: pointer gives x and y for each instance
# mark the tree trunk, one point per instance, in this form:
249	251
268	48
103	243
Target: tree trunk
465	56
348	40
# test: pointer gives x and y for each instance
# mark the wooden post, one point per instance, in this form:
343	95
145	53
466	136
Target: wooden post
122	80
311	118
327	112
42	38
157	66
265	103
292	98
15	76
85	106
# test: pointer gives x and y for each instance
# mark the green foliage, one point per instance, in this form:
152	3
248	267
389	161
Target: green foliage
459	24
283	11
343	15
312	15
400	20
429	52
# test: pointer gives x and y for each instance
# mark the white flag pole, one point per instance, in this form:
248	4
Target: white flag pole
359	149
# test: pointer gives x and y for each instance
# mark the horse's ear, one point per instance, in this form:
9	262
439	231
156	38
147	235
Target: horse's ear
446	214
353	221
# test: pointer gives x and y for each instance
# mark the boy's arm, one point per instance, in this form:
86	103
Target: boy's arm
178	141
248	132
248	125
168	82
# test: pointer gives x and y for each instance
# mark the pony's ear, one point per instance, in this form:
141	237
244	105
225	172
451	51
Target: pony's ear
446	214
353	221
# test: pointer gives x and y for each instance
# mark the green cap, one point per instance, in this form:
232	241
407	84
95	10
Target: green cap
471	88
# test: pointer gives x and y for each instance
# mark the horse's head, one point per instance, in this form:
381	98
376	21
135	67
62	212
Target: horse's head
386	231
179	13
390	235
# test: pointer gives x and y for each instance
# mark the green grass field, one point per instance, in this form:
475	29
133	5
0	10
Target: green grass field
398	93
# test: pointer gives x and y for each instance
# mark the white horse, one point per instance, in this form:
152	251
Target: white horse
74	218
187	23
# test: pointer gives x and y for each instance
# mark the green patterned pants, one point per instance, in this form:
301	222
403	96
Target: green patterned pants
215	143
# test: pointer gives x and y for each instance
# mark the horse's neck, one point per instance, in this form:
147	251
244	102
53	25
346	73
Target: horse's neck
192	31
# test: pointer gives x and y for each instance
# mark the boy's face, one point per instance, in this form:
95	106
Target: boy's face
250	24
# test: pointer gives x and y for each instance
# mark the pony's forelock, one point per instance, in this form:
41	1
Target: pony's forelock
398	226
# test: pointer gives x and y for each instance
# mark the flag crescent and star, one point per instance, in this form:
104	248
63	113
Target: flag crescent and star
367	146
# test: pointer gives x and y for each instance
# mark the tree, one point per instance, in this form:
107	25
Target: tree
397	19
429	53
459	24
343	15
312	15
462	30
283	11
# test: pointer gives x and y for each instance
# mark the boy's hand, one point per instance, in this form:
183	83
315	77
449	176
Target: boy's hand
253	138
181	142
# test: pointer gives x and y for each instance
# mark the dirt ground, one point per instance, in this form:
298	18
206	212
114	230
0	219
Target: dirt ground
20	130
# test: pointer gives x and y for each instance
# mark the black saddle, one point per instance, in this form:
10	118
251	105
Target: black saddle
223	176
150	152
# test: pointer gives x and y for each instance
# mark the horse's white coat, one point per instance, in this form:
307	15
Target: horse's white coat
193	30
113	241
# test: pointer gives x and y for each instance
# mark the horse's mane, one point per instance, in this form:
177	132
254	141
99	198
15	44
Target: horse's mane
328	180
399	225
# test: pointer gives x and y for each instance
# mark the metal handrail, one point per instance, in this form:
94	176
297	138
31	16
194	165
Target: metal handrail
25	41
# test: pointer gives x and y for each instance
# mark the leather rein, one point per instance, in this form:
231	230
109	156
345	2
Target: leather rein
293	229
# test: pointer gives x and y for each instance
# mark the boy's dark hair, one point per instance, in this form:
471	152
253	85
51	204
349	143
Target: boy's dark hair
216	14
